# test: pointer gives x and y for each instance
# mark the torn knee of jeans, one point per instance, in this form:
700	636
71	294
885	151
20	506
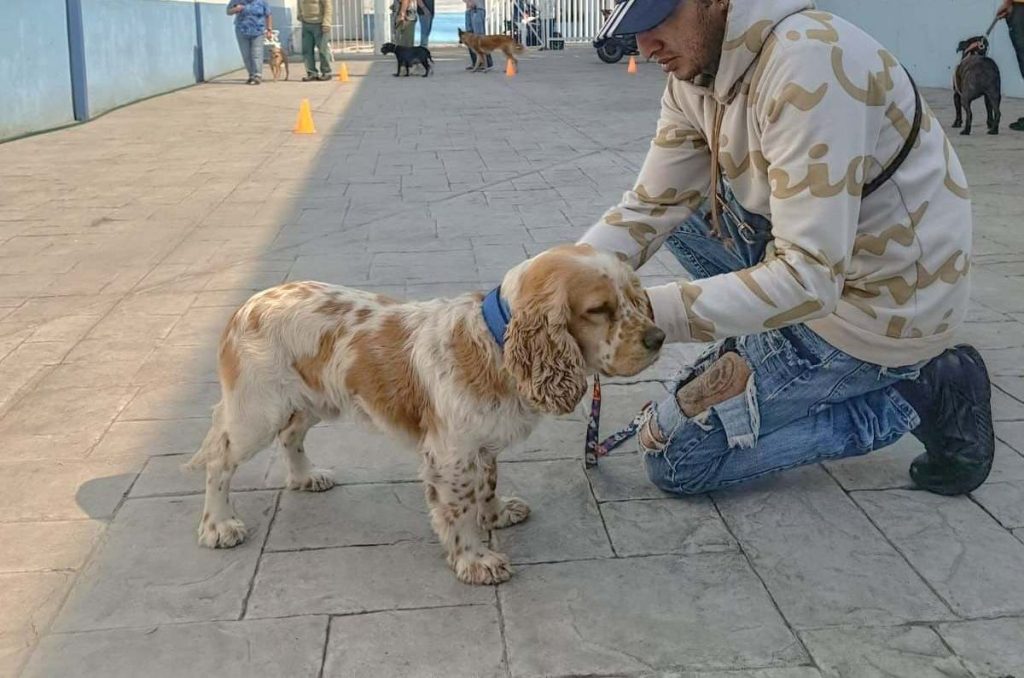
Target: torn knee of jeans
723	379
740	417
650	435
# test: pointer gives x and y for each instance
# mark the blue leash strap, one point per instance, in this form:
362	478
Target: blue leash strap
593	449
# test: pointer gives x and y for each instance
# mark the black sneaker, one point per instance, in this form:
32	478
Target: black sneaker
953	397
1017	126
311	77
326	76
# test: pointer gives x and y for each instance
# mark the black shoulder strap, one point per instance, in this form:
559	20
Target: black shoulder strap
887	173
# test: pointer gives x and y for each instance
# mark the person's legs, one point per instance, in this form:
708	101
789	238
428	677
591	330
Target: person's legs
480	28
1015	24
426	21
469	29
405	34
309	39
244	46
256	51
803	402
323	45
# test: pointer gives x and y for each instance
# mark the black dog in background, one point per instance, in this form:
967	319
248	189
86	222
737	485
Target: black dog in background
976	76
407	56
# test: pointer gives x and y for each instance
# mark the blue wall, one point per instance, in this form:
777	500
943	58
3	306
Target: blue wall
137	48
34	81
923	34
130	49
220	48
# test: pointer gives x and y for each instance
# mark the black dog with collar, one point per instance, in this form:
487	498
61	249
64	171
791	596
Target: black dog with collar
408	56
976	76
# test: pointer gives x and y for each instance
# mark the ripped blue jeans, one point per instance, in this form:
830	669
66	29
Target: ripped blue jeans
805	401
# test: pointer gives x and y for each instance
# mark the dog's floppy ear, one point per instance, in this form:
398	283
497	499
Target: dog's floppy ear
542	355
963	45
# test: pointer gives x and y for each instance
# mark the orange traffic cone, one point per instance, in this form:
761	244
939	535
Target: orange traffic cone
304	123
632	65
510	68
343	73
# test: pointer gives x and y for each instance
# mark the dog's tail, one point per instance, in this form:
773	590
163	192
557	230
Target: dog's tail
216	442
518	48
430	57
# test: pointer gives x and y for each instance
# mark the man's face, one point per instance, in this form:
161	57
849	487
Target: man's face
689	42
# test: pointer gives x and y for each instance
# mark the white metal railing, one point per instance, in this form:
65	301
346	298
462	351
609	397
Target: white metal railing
538	22
361	24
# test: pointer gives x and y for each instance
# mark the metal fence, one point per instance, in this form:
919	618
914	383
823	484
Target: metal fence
541	24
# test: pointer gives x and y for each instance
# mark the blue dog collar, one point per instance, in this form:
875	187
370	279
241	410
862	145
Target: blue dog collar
497	315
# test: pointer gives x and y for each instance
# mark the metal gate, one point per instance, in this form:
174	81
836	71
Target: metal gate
544	24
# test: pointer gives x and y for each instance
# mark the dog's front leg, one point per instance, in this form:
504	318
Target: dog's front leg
398	71
492	512
450	485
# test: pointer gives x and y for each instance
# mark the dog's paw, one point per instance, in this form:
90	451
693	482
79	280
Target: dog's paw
318	480
993	131
964	132
484	567
957	124
222	535
513	510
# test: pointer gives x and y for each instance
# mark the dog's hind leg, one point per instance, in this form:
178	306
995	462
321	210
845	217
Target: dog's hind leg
958	105
968	117
992	102
233	438
301	474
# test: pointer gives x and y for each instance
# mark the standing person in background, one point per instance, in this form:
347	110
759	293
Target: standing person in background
476	13
252	22
425	9
315	17
1013	12
403	23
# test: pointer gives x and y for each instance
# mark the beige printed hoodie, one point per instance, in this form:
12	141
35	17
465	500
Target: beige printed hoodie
805	109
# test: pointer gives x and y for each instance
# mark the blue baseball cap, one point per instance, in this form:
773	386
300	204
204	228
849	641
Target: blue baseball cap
635	16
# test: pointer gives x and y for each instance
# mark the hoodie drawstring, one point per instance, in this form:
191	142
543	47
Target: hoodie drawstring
716	169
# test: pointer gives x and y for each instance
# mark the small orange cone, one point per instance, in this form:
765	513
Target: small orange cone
343	73
632	65
510	68
304	123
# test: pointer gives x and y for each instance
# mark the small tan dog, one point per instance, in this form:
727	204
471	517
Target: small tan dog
278	62
485	44
430	373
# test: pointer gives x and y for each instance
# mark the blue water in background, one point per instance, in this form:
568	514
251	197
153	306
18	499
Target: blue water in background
445	27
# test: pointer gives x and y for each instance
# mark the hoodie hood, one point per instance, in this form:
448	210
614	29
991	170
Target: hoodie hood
747	27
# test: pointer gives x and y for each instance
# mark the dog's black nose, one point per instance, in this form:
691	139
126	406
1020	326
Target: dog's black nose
653	338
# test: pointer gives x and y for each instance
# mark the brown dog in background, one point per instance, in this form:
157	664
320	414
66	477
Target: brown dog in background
485	44
278	62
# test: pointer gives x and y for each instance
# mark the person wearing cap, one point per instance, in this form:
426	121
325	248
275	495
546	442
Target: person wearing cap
824	220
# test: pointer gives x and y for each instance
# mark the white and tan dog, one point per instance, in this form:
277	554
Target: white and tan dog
429	372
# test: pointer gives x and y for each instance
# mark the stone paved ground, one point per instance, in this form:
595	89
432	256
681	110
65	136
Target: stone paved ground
124	245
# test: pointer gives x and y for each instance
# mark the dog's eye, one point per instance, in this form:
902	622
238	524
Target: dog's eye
603	309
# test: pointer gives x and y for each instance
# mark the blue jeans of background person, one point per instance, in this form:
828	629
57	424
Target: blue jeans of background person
252	54
426	19
806	401
475	24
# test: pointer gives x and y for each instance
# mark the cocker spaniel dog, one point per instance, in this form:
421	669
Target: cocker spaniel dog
433	373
